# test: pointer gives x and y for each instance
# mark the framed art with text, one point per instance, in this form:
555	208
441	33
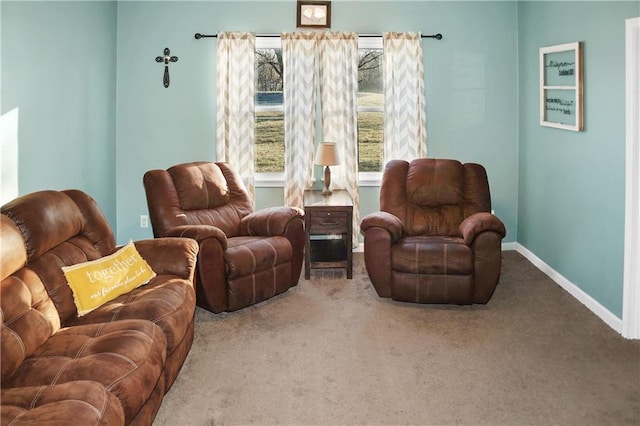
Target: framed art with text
561	86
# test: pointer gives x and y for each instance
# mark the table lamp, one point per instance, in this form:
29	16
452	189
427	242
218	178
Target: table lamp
327	155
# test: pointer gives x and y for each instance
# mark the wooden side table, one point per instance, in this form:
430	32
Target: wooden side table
327	216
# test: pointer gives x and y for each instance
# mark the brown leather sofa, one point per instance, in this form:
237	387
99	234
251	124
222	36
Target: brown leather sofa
111	366
245	256
434	240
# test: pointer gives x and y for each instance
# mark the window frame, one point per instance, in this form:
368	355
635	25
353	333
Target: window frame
276	179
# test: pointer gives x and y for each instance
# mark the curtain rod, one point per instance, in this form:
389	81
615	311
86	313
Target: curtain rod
198	36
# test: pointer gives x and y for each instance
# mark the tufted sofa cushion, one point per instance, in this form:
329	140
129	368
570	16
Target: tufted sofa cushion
88	403
166	301
127	357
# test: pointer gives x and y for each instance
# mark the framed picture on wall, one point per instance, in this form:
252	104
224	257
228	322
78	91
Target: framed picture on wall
561	86
314	14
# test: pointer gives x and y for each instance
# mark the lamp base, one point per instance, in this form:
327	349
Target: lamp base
327	182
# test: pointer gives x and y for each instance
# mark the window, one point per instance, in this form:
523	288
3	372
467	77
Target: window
270	110
9	156
370	109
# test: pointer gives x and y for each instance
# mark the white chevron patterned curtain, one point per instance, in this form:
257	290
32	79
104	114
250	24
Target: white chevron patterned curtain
235	135
405	135
339	96
299	55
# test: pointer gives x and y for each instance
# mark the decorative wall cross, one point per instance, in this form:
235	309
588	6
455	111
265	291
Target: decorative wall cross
166	59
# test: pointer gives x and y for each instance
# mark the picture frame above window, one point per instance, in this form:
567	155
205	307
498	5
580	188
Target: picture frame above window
314	14
561	103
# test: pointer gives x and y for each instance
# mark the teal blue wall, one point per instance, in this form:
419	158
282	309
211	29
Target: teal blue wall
571	185
58	69
69	113
471	87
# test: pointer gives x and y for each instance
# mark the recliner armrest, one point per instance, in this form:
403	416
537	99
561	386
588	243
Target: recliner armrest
199	233
478	223
384	220
170	256
269	221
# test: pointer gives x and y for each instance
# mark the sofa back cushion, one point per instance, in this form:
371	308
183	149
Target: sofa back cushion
28	315
433	196
59	228
197	193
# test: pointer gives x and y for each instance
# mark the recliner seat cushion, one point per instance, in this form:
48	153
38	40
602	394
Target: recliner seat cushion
432	255
250	289
432	288
250	255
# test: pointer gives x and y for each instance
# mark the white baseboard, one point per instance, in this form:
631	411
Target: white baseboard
603	313
505	246
509	246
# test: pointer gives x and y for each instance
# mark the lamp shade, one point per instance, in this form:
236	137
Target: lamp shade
327	154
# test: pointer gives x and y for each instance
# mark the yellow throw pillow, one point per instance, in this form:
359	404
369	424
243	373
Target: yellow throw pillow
96	282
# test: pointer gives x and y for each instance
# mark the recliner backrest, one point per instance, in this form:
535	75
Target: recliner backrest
197	193
433	196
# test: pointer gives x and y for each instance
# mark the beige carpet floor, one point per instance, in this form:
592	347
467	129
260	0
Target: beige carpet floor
331	352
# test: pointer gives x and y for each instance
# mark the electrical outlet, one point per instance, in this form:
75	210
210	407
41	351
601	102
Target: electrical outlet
144	221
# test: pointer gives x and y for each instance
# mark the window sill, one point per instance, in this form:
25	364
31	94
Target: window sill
269	180
369	178
276	180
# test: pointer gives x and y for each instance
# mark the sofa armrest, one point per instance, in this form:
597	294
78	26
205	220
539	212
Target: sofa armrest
199	233
478	223
270	221
170	256
383	220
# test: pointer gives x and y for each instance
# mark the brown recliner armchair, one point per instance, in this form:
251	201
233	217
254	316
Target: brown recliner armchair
245	256
435	240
